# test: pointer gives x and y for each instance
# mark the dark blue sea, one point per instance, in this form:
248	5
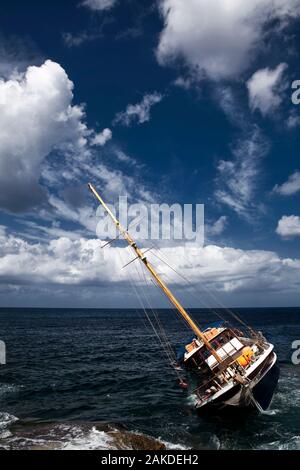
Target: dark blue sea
73	377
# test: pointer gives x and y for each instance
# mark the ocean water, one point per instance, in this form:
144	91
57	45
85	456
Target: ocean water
75	377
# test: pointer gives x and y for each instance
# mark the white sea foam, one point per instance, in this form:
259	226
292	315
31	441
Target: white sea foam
172	446
93	440
291	444
6	389
5	420
100	440
270	412
192	400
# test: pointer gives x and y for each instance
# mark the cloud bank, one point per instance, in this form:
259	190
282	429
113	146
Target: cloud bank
66	262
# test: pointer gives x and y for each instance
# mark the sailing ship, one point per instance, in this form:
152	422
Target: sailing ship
232	368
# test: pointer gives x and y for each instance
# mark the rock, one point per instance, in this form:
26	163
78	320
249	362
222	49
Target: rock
129	440
51	436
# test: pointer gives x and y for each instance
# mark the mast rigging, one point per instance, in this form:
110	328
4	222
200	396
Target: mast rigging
157	278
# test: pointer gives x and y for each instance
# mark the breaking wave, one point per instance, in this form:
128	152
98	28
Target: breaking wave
16	435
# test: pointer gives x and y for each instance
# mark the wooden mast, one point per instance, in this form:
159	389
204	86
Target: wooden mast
157	278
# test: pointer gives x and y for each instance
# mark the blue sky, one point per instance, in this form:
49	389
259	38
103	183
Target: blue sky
164	101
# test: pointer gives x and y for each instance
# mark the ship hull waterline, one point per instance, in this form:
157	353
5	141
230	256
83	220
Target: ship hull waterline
257	395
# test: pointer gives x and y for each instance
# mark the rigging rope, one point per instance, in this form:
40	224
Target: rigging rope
229	311
162	331
169	353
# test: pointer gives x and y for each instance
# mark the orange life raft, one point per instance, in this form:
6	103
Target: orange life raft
246	356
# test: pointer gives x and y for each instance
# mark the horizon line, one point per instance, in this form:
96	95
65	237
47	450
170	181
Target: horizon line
149	308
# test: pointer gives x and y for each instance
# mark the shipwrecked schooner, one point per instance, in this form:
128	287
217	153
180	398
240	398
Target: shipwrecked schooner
231	369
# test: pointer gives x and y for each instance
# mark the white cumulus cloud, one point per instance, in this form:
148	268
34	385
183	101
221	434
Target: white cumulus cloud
102	137
139	112
265	89
218	38
36	118
288	226
290	187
